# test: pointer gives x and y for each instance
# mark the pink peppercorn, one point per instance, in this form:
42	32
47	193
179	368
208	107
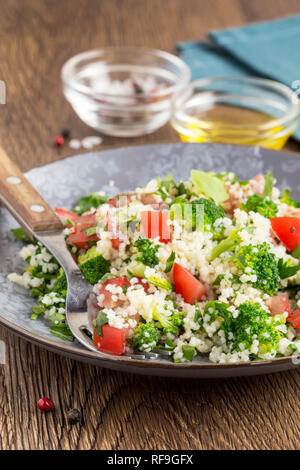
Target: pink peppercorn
59	140
45	404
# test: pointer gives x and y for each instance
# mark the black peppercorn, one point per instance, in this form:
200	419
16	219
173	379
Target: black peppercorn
137	88
65	133
74	416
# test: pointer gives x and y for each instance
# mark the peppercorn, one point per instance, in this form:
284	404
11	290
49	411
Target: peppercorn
137	88
45	404
74	416
65	133
59	140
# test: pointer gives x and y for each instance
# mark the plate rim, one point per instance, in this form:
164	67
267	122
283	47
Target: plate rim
72	351
135	365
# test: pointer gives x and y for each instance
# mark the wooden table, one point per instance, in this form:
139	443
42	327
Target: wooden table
120	411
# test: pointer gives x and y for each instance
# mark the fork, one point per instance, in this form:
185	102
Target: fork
40	221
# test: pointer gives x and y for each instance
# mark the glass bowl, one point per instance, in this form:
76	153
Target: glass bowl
236	110
123	91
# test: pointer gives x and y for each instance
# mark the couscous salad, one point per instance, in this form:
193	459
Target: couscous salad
208	266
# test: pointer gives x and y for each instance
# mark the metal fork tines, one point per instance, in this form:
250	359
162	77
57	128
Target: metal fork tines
155	354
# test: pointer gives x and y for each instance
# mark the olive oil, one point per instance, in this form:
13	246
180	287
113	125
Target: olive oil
232	124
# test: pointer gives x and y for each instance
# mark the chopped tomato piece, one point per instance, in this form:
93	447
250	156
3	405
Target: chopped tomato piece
63	214
279	304
112	341
83	220
118	282
287	230
295	318
187	285
155	224
86	220
80	238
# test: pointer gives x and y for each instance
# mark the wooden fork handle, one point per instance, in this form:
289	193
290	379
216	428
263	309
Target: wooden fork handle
23	201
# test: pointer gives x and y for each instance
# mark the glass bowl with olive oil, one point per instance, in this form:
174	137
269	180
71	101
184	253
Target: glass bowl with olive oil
236	110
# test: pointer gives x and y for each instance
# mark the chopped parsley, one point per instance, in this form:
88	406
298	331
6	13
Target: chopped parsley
147	252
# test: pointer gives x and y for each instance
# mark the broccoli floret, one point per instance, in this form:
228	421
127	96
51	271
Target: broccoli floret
87	202
199	214
205	213
148	252
258	258
144	338
93	266
176	324
254	320
229	244
253	328
60	285
262	263
168	323
262	205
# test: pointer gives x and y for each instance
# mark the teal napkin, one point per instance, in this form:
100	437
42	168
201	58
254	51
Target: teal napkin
209	60
269	49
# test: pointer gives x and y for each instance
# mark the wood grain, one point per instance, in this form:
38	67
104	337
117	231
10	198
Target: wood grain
120	411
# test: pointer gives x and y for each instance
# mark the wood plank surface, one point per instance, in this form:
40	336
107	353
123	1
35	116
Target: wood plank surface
120	411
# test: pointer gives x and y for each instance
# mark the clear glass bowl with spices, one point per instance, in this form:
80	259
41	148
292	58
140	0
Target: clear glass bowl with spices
124	91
